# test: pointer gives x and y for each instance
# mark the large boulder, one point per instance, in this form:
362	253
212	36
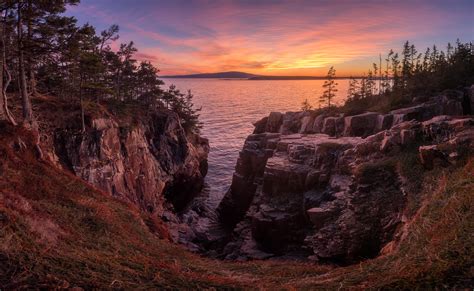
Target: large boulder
361	125
307	124
318	123
291	122
274	122
384	122
333	126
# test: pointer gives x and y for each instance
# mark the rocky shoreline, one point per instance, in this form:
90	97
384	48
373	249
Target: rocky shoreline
330	187
323	187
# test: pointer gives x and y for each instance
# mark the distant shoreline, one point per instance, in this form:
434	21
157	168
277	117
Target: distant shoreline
262	78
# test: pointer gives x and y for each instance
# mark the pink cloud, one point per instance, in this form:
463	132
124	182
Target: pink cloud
280	38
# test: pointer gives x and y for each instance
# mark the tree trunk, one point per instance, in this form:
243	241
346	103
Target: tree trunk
31	72
26	102
83	121
4	112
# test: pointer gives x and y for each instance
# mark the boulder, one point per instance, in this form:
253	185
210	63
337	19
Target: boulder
361	125
306	124
431	155
318	123
332	126
261	125
291	123
407	136
384	122
319	215
274	122
277	229
329	126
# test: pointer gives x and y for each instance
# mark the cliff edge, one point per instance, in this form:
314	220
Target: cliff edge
341	188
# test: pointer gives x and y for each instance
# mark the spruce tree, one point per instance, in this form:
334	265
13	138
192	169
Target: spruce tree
306	106
330	88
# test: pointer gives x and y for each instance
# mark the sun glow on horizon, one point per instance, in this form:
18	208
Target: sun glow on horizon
277	37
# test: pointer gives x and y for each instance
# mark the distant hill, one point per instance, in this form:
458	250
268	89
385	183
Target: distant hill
243	75
219	75
287	78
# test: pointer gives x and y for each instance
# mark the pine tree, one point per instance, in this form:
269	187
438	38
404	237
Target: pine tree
369	85
397	82
330	88
353	93
306	106
189	116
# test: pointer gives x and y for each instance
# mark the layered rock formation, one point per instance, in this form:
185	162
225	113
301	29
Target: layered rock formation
150	162
329	187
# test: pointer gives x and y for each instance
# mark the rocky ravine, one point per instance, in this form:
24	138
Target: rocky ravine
151	163
328	187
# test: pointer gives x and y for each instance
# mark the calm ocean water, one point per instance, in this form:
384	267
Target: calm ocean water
229	107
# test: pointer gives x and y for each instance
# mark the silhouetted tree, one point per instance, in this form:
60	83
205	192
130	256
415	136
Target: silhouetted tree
330	88
353	92
306	106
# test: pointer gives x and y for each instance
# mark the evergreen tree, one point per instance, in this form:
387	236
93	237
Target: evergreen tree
330	88
369	85
306	106
353	93
183	105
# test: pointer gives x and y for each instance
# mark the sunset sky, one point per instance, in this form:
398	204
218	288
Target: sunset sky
277	37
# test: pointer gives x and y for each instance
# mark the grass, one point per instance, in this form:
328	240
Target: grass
56	230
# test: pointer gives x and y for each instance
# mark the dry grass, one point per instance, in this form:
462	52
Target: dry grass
55	230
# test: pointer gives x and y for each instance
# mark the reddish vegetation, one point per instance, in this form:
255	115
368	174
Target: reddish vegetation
58	231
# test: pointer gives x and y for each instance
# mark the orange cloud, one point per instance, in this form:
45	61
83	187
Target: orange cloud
281	37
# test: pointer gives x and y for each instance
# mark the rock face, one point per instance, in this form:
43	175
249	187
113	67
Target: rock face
328	187
150	164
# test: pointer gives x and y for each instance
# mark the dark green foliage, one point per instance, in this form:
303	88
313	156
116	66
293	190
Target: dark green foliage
74	62
414	75
182	104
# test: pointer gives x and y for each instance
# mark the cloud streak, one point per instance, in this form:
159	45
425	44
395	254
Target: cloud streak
277	37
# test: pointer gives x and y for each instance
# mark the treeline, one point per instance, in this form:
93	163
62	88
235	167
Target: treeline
44	52
400	77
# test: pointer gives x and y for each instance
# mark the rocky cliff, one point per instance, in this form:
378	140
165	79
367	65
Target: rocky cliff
337	187
147	159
